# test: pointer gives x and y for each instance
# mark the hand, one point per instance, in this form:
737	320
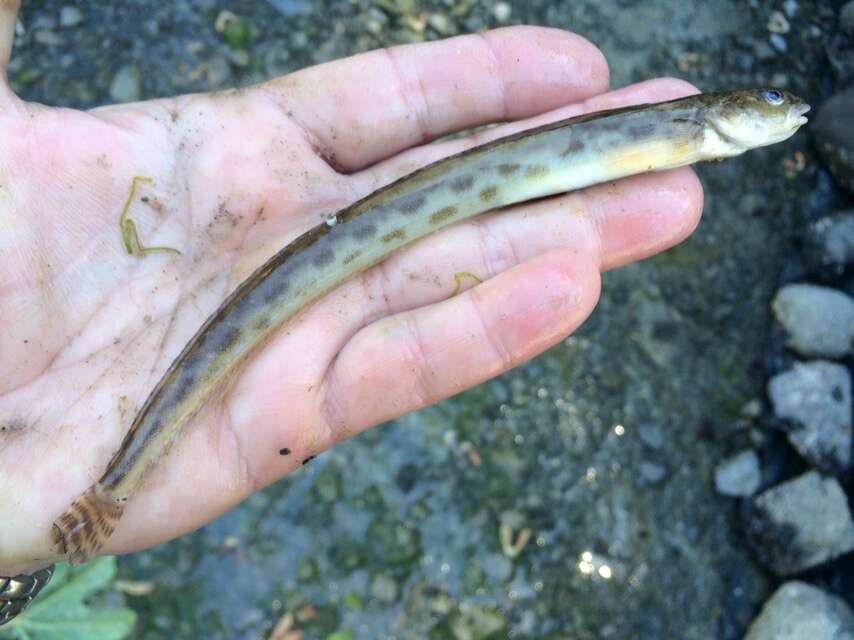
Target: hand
88	329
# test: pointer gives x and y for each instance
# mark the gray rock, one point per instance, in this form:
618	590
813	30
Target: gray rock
652	435
501	11
778	42
818	320
384	588
127	84
474	622
846	17
47	38
441	23
652	473
834	137
497	567
217	71
799	524
829	243
840	54
799	611
70	17
816	398
738	475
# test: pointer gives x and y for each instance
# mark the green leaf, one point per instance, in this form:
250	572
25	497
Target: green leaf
59	611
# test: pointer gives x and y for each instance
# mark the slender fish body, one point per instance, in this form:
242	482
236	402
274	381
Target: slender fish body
551	159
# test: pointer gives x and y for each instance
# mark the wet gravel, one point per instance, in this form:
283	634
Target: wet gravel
603	450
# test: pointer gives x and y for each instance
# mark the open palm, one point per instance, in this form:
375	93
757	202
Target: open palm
88	329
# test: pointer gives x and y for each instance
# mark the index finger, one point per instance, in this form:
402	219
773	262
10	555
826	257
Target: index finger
371	106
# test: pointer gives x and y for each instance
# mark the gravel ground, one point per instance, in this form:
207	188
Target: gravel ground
603	449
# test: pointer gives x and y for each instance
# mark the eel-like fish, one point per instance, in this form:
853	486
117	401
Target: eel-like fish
546	160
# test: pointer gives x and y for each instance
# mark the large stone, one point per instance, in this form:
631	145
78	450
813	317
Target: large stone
815	399
799	524
834	137
799	611
819	321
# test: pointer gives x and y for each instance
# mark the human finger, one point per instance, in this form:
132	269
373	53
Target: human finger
416	358
368	107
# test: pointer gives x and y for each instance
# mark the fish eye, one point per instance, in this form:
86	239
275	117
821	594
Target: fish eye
772	96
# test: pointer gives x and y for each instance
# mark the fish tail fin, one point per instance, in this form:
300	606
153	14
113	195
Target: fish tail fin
81	531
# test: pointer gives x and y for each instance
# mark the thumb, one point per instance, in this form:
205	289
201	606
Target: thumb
8	18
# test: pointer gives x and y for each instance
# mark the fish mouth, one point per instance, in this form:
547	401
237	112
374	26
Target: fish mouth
797	114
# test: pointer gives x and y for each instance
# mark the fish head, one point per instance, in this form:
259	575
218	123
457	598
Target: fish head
754	118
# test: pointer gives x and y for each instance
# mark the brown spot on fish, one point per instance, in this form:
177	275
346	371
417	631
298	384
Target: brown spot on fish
574	146
412	204
352	257
308	459
489	193
284	451
461	184
508	169
323	257
232	335
397	234
443	214
364	231
640	130
609	124
184	383
536	171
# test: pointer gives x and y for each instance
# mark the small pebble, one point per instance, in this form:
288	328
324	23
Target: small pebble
799	524
43	21
47	38
752	409
777	23
764	52
790	8
829	243
440	23
652	435
384	588
217	71
497	567
738	475
501	11
818	320
70	17
816	398
800	611
778	42
127	84
240	57
780	80
652	473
